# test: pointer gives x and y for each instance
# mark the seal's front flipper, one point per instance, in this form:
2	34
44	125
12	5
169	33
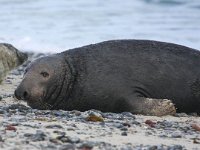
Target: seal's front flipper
155	107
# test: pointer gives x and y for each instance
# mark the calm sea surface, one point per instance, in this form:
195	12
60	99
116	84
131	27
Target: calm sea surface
57	25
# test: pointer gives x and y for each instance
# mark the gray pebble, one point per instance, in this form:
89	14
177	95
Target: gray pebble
128	114
124	129
39	136
118	125
176	135
67	147
124	134
55	126
86	145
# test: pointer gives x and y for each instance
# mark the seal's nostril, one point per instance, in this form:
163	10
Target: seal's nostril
25	95
17	95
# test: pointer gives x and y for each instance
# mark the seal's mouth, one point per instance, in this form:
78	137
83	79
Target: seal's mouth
39	104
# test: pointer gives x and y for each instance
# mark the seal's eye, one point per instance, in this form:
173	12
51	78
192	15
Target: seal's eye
44	74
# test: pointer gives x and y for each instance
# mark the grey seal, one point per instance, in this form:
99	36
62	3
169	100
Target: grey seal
139	76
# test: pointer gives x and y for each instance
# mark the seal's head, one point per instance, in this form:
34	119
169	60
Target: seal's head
46	83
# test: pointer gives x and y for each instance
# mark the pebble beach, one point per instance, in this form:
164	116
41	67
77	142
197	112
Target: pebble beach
24	128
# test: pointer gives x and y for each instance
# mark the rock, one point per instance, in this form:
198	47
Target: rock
124	134
128	114
10	58
196	127
19	107
59	132
118	125
176	135
196	140
86	146
94	118
10	127
54	126
74	139
67	147
1	139
39	136
150	123
124	129
181	115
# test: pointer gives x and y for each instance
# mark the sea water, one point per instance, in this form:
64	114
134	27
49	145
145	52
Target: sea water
57	25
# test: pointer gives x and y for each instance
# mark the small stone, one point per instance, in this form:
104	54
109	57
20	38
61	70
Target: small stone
124	129
10	127
63	139
28	134
76	112
128	114
67	147
176	147
148	133
127	124
49	146
135	122
154	147
39	136
54	126
150	123
118	125
19	107
196	140
86	146
196	127
59	133
1	139
55	141
124	134
181	115
176	135
94	118
74	139
2	111
70	129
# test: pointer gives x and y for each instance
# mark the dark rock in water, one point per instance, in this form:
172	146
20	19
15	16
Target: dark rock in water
10	58
1	98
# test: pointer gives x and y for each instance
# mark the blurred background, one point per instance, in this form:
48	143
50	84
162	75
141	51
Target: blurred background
55	26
